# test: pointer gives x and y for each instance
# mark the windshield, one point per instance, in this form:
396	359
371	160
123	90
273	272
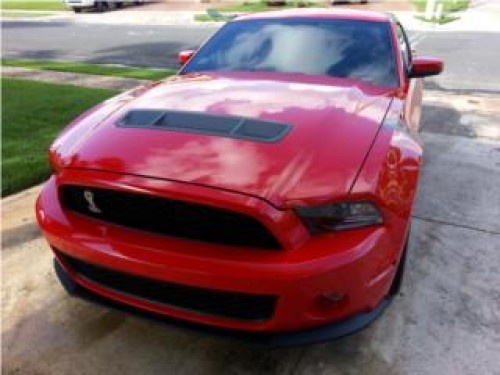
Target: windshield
333	47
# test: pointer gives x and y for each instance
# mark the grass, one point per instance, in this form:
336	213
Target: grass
78	67
440	21
248	7
448	5
262	6
24	14
206	18
33	4
33	114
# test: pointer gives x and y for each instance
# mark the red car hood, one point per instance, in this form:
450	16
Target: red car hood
334	122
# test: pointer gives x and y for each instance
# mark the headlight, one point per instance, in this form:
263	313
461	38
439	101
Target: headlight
340	216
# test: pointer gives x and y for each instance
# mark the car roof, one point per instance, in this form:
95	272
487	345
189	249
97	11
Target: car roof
359	15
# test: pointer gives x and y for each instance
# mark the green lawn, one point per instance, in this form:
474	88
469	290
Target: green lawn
205	18
33	114
33	4
262	6
104	70
441	21
448	5
248	7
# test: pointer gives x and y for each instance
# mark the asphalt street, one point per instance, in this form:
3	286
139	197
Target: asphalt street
154	46
471	57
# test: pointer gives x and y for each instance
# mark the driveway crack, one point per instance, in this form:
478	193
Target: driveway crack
295	367
456	225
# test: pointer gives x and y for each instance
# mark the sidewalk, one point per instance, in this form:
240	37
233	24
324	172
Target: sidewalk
76	79
470	20
483	15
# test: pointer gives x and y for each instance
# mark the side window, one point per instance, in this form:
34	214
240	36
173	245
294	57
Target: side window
404	47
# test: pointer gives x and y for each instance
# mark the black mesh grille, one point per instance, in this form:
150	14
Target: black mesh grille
204	123
240	306
168	217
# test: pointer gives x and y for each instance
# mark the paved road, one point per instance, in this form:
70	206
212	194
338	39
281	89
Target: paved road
471	58
155	46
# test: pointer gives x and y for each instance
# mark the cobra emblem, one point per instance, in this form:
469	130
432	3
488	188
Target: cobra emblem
89	197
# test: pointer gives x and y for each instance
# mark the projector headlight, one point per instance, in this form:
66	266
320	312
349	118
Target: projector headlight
340	216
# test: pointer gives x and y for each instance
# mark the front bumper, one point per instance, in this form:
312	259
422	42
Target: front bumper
273	340
359	264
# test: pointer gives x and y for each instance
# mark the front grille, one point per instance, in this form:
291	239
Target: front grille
239	306
168	217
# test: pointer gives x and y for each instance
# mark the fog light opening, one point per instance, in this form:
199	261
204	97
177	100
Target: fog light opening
333	298
329	304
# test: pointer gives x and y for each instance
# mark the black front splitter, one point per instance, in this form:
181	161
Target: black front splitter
267	339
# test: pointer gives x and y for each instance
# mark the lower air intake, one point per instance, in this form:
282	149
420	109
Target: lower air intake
238	306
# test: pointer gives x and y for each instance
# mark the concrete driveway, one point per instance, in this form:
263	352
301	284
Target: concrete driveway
446	320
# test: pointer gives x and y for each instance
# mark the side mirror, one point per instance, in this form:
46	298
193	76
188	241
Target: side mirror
184	56
425	66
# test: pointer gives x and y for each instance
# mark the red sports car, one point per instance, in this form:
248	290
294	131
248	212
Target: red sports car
264	191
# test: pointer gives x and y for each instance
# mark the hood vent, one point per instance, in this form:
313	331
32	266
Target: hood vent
209	124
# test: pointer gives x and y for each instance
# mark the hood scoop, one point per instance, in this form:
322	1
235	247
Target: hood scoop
210	124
